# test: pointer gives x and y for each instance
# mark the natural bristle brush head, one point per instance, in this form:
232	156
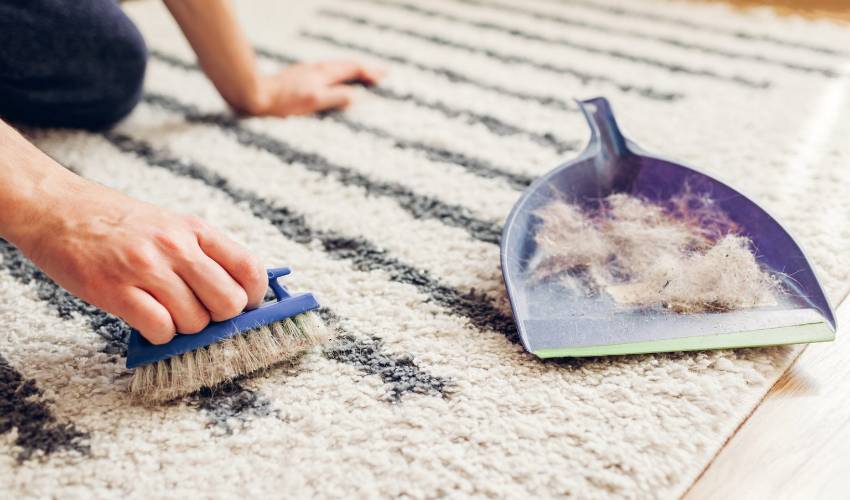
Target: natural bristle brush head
275	332
242	354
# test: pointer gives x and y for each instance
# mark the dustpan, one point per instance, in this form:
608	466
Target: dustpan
554	321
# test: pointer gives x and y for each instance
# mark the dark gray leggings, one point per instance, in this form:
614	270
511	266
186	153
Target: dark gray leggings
68	63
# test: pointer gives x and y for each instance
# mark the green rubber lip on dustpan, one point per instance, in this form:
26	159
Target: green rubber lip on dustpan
554	322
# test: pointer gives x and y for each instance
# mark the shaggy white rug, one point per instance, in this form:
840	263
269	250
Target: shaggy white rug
391	214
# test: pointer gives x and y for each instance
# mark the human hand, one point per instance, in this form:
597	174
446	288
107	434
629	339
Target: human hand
160	271
303	89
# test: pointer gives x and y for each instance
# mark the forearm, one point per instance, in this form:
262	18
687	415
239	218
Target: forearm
223	51
30	182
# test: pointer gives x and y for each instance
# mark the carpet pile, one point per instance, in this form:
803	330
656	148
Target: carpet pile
391	213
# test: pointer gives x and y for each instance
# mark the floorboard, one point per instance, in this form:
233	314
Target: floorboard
797	442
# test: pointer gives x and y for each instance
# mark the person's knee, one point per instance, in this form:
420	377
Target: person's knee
64	79
117	77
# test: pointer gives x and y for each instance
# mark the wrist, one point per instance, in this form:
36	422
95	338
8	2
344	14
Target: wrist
37	214
35	189
256	98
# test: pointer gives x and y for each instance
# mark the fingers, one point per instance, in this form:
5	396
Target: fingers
187	312
350	71
222	296
372	75
240	264
335	97
145	314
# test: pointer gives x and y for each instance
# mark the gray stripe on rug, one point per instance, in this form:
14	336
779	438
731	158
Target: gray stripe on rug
476	166
418	205
24	410
640	35
111	329
114	331
361	253
564	42
400	373
495	125
583	77
449	74
687	23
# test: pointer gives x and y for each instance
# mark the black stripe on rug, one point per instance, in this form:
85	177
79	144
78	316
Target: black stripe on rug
495	125
681	22
363	255
450	75
220	403
564	42
230	402
583	77
231	399
476	166
640	35
420	206
185	65
400	374
23	410
114	331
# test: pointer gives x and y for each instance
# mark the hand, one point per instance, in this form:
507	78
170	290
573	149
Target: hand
303	89
159	271
226	56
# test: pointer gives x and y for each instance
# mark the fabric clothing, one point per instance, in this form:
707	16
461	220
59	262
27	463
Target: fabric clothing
68	64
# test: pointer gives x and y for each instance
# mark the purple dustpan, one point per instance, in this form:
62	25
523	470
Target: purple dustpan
556	322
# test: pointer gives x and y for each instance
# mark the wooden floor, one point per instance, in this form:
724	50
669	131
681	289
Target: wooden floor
838	10
797	442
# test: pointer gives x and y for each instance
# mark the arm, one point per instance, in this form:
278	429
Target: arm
160	271
27	175
227	58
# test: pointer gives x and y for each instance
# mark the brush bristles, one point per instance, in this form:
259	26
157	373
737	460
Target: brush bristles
227	359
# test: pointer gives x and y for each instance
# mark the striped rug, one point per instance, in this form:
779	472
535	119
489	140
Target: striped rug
391	213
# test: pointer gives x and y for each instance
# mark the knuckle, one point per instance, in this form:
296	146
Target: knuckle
247	268
194	262
310	98
195	322
196	223
229	305
260	280
141	258
169	242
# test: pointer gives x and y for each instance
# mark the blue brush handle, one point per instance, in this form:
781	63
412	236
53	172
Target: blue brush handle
141	352
273	274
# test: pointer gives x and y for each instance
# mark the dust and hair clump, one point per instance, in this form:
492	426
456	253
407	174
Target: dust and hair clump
685	255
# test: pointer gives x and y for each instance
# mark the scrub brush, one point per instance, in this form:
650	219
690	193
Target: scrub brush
276	331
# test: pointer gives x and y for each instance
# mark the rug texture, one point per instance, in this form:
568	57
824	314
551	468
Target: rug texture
391	213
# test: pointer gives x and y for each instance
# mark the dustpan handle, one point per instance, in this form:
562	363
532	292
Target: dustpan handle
603	127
